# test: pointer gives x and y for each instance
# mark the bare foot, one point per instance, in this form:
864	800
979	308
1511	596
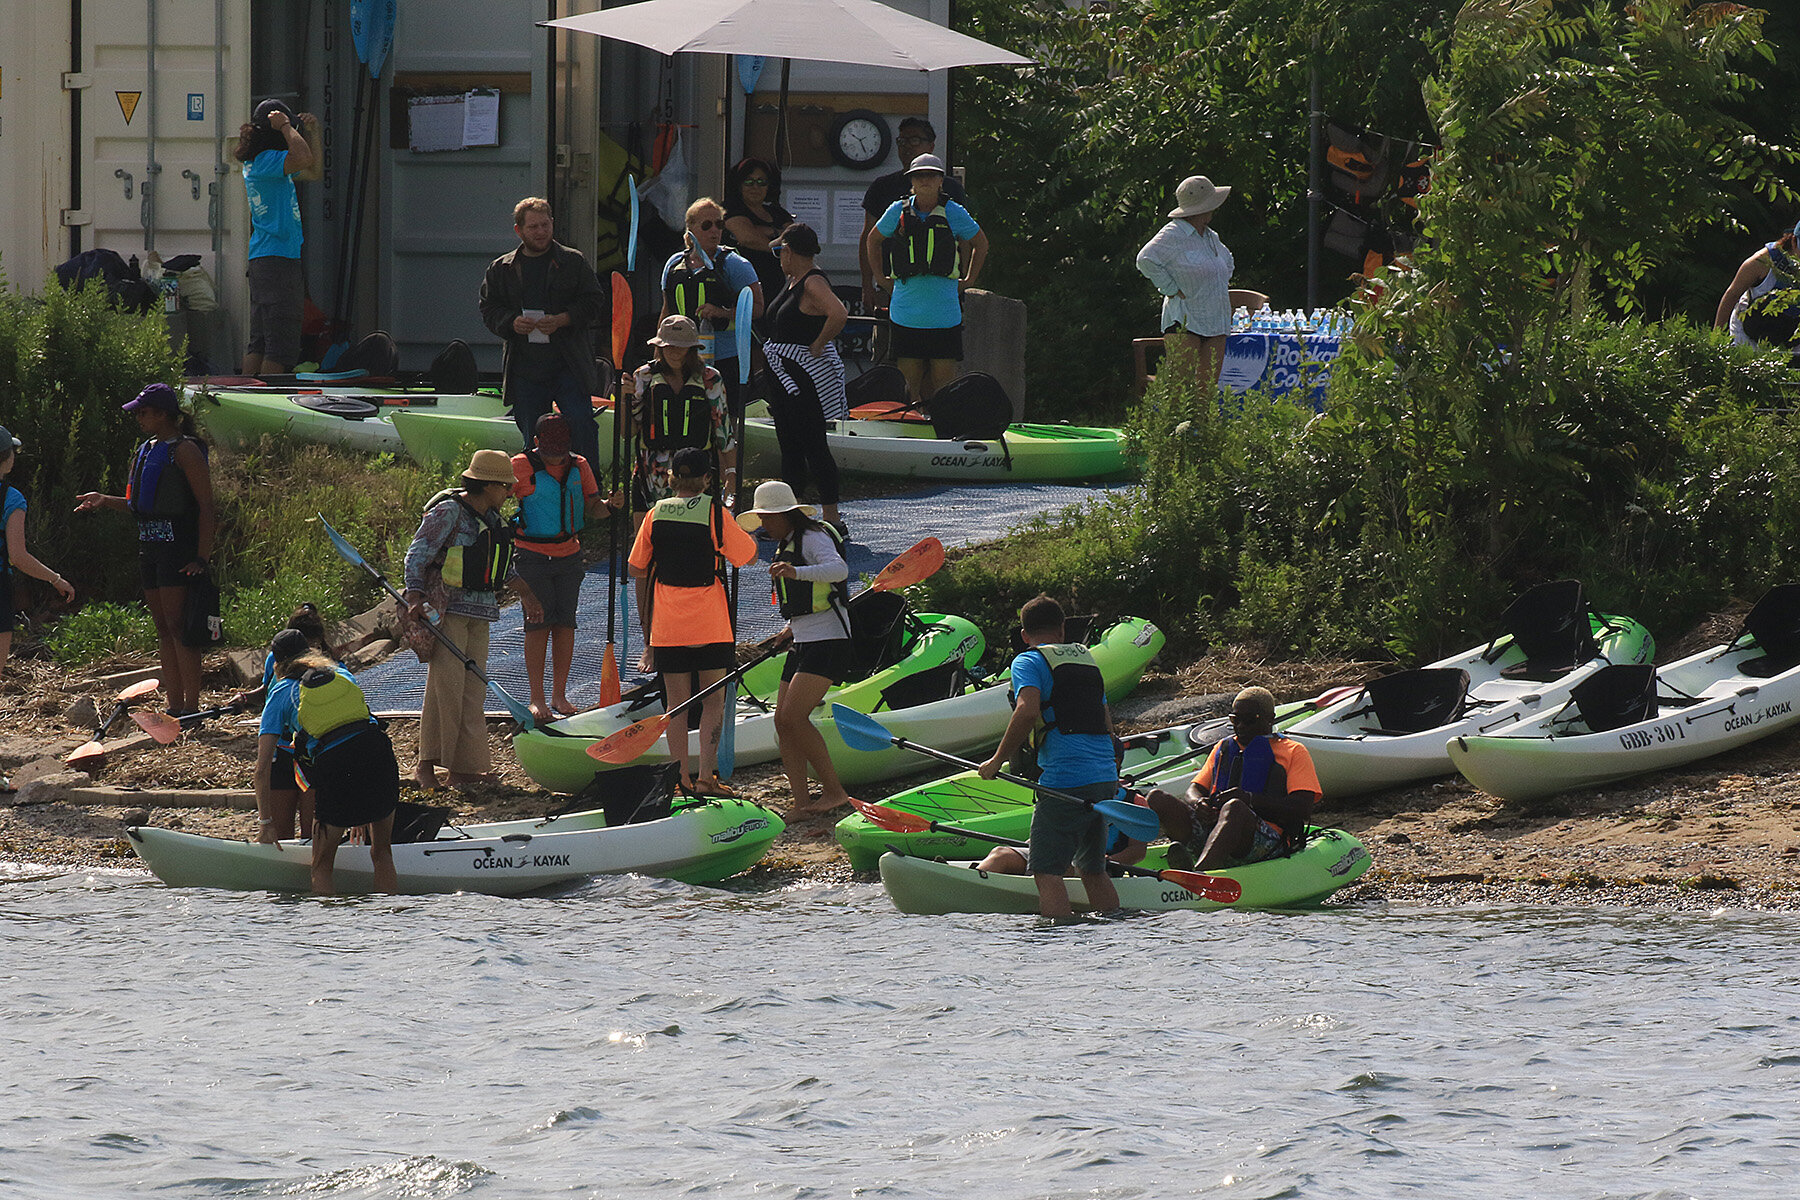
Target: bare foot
540	712
563	707
819	807
426	777
462	779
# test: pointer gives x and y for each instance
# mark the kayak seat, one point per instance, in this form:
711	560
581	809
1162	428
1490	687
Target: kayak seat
376	356
351	408
882	384
1075	629
972	407
454	371
629	795
923	687
1550	624
419	822
878	626
1415	701
1616	696
1773	623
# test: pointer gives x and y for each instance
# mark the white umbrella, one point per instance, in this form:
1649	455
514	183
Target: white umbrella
864	32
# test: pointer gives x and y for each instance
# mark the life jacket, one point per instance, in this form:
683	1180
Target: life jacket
158	487
685	532
328	702
482	565
1252	765
800	597
1077	699
675	419
555	510
688	290
921	245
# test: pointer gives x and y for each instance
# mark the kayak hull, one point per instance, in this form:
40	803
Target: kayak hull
1351	759
1540	758
1030	453
703	843
1330	861
240	419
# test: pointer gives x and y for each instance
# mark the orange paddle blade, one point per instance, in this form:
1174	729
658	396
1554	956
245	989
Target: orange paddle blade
621	318
892	819
140	689
609	677
629	742
1216	888
914	565
160	726
86	752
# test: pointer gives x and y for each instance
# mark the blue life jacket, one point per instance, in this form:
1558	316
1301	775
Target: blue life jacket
555	510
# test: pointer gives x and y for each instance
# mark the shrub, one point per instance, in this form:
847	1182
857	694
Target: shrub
100	631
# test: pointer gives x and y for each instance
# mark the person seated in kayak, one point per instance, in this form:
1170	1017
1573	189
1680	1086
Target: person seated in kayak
681	550
1250	802
343	750
1058	690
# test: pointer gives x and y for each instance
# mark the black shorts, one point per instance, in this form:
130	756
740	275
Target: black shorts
834	660
281	772
714	656
160	563
6	599
907	342
355	781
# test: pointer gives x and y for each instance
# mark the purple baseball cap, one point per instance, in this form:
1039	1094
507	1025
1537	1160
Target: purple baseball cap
157	395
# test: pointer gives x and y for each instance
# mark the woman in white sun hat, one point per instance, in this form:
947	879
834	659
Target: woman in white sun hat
811	589
1191	267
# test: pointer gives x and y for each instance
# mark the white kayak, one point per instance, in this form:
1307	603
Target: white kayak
1393	730
699	843
1702	705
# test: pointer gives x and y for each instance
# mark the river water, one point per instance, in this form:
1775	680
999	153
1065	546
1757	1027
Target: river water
644	1038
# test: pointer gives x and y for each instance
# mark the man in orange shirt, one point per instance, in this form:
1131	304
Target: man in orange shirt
681	548
1252	799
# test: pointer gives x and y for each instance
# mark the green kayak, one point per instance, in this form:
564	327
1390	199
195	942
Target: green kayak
433	437
1330	860
357	418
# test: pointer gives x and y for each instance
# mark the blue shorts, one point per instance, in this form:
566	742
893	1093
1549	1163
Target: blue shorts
1064	833
1265	843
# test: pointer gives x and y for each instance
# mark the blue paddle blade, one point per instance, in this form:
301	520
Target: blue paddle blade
746	308
343	547
859	730
631	235
728	733
1132	820
749	70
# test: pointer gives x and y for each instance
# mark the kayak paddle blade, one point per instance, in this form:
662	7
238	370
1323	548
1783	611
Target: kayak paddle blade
139	690
631	238
727	756
746	307
160	726
915	564
1133	820
1216	888
891	819
90	751
629	742
859	730
621	319
609	678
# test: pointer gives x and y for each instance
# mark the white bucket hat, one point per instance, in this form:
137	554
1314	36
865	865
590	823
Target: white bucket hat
1195	195
774	496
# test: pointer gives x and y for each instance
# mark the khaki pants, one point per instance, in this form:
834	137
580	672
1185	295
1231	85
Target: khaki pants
452	724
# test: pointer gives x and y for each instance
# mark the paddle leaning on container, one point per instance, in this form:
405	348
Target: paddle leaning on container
1216	888
91	750
916	564
727	760
520	712
863	732
622	313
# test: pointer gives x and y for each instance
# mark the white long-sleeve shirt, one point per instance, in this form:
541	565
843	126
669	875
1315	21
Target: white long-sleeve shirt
1192	270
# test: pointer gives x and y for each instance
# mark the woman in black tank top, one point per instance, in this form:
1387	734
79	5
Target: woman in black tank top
804	321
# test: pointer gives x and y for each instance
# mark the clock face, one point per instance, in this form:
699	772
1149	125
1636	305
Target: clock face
860	139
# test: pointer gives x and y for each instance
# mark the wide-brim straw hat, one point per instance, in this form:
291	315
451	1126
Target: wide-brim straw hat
1195	195
774	496
490	466
678	332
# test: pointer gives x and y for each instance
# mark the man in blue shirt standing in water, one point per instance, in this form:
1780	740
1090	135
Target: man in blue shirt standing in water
1059	686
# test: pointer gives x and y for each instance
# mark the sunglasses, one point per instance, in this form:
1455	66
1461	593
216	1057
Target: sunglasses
707	224
777	247
907	139
756	183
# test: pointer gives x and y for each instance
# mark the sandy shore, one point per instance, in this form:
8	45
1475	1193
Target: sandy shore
1724	833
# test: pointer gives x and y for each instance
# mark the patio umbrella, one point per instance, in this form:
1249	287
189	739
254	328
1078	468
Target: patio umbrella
863	32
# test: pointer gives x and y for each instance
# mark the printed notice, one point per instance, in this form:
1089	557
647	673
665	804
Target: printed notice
436	123
809	206
481	118
846	216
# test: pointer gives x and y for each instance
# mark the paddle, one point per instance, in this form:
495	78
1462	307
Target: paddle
631	238
166	729
1216	888
746	308
863	732
520	712
92	747
914	565
622	315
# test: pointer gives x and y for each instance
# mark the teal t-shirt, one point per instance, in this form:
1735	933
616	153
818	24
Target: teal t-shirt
928	301
274	206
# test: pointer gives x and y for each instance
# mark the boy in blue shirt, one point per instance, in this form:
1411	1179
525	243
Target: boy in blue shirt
1059	687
